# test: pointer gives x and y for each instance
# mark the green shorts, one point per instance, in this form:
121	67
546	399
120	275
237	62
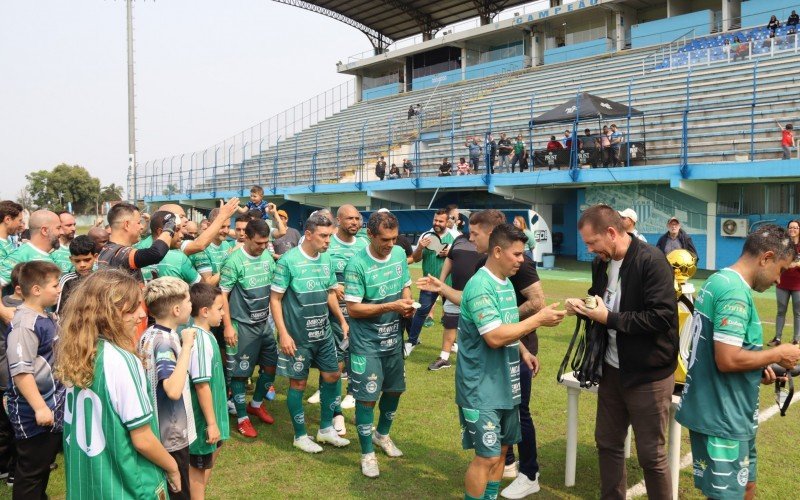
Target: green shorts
256	346
486	431
722	467
320	355
371	375
338	335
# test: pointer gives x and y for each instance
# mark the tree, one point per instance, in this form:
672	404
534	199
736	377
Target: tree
112	192
170	190
53	190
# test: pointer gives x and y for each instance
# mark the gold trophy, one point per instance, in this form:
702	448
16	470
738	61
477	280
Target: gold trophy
684	265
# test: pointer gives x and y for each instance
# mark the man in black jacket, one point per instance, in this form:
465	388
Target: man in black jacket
633	285
675	238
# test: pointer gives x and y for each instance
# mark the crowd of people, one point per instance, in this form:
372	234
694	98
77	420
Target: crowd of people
154	341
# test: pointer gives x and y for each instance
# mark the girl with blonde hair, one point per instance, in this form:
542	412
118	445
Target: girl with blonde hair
519	223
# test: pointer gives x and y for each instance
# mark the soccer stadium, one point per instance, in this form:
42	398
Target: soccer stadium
549	245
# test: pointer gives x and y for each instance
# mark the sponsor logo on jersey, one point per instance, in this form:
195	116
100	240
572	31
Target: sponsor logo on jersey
387	329
326	271
160	356
310	284
244	365
383	290
372	385
365	429
489	438
699	468
398	269
742	476
508	318
735	307
731	322
316	334
300	418
298	363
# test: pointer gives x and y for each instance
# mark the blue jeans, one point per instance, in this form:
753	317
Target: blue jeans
426	300
528	463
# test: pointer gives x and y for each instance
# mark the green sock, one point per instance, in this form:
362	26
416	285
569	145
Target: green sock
294	400
365	415
327	400
238	389
262	385
467	496
337	410
388	406
492	488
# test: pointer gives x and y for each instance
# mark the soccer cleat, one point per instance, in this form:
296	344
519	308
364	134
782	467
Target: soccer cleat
369	465
314	399
331	437
521	487
774	342
348	402
231	408
307	444
261	413
510	471
246	429
387	445
338	424
271	393
428	322
439	364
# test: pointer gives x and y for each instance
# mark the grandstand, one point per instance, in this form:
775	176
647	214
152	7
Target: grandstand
708	126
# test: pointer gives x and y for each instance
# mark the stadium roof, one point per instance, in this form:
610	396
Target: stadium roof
384	21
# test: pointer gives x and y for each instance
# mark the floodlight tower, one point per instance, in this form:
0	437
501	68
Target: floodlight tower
131	109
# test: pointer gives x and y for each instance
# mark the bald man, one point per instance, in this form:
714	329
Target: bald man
190	230
45	227
100	237
61	254
205	238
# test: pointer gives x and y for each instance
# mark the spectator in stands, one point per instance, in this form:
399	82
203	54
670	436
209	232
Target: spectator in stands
787	139
789	288
523	160
554	145
519	150
411	112
567	137
739	49
380	168
394	172
616	145
773	25
446	168
408	167
505	149
675	238
605	146
590	141
568	142
491	145
463	167
793	21
475	151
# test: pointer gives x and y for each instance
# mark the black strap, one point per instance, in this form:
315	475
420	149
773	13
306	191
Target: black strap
587	361
565	361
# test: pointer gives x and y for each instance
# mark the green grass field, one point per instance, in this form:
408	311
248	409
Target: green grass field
426	429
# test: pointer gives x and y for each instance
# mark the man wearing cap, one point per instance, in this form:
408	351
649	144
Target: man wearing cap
629	220
289	240
675	238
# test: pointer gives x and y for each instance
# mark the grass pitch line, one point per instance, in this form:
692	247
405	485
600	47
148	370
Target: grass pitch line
639	489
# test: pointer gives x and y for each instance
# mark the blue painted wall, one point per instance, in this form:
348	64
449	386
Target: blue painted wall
494	67
757	12
382	91
728	249
443	78
577	51
667	30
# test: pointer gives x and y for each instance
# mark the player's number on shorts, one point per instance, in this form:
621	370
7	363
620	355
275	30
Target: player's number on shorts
86	429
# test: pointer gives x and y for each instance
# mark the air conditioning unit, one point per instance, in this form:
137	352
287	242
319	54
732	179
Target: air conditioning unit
733	228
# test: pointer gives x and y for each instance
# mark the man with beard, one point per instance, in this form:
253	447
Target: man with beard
61	254
45	227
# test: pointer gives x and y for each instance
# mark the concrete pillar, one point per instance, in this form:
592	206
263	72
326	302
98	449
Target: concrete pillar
359	83
711	235
463	63
623	19
678	7
537	46
731	14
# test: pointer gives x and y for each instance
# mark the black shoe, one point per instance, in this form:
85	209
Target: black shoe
439	364
774	342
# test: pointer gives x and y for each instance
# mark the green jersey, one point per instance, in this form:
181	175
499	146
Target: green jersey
487	378
216	254
6	247
177	264
340	253
247	280
714	403
432	264
61	257
304	283
200	262
205	367
368	280
147	271
24	253
101	461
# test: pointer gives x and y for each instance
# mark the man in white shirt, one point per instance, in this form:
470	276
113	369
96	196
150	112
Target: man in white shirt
629	220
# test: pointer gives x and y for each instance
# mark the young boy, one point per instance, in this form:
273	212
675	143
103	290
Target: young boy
35	398
787	139
82	255
166	359
8	452
256	202
208	387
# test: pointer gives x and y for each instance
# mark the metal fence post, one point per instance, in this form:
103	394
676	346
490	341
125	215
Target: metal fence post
753	113
214	174
241	169
314	163
628	127
180	175
685	131
275	166
530	134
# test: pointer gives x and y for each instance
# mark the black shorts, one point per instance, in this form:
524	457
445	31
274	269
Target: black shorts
182	459
204	462
450	321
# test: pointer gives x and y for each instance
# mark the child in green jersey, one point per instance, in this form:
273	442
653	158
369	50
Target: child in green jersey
208	387
122	456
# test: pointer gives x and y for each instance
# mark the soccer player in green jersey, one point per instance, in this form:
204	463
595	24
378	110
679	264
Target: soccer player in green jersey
377	293
488	367
111	448
208	388
246	278
10	222
216	252
303	296
720	398
45	227
175	263
61	254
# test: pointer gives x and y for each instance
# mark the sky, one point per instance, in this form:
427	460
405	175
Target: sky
205	70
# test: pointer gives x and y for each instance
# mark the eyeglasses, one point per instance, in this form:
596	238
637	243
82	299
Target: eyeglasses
452	218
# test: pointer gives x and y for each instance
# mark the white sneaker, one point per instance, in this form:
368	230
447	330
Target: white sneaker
314	399
369	465
338	424
231	407
330	436
386	444
349	402
521	487
408	347
307	444
510	471
454	349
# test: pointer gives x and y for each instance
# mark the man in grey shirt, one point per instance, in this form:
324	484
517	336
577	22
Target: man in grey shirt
289	240
675	238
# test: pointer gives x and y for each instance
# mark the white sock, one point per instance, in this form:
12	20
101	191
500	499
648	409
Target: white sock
255	404
240	420
327	430
444	355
